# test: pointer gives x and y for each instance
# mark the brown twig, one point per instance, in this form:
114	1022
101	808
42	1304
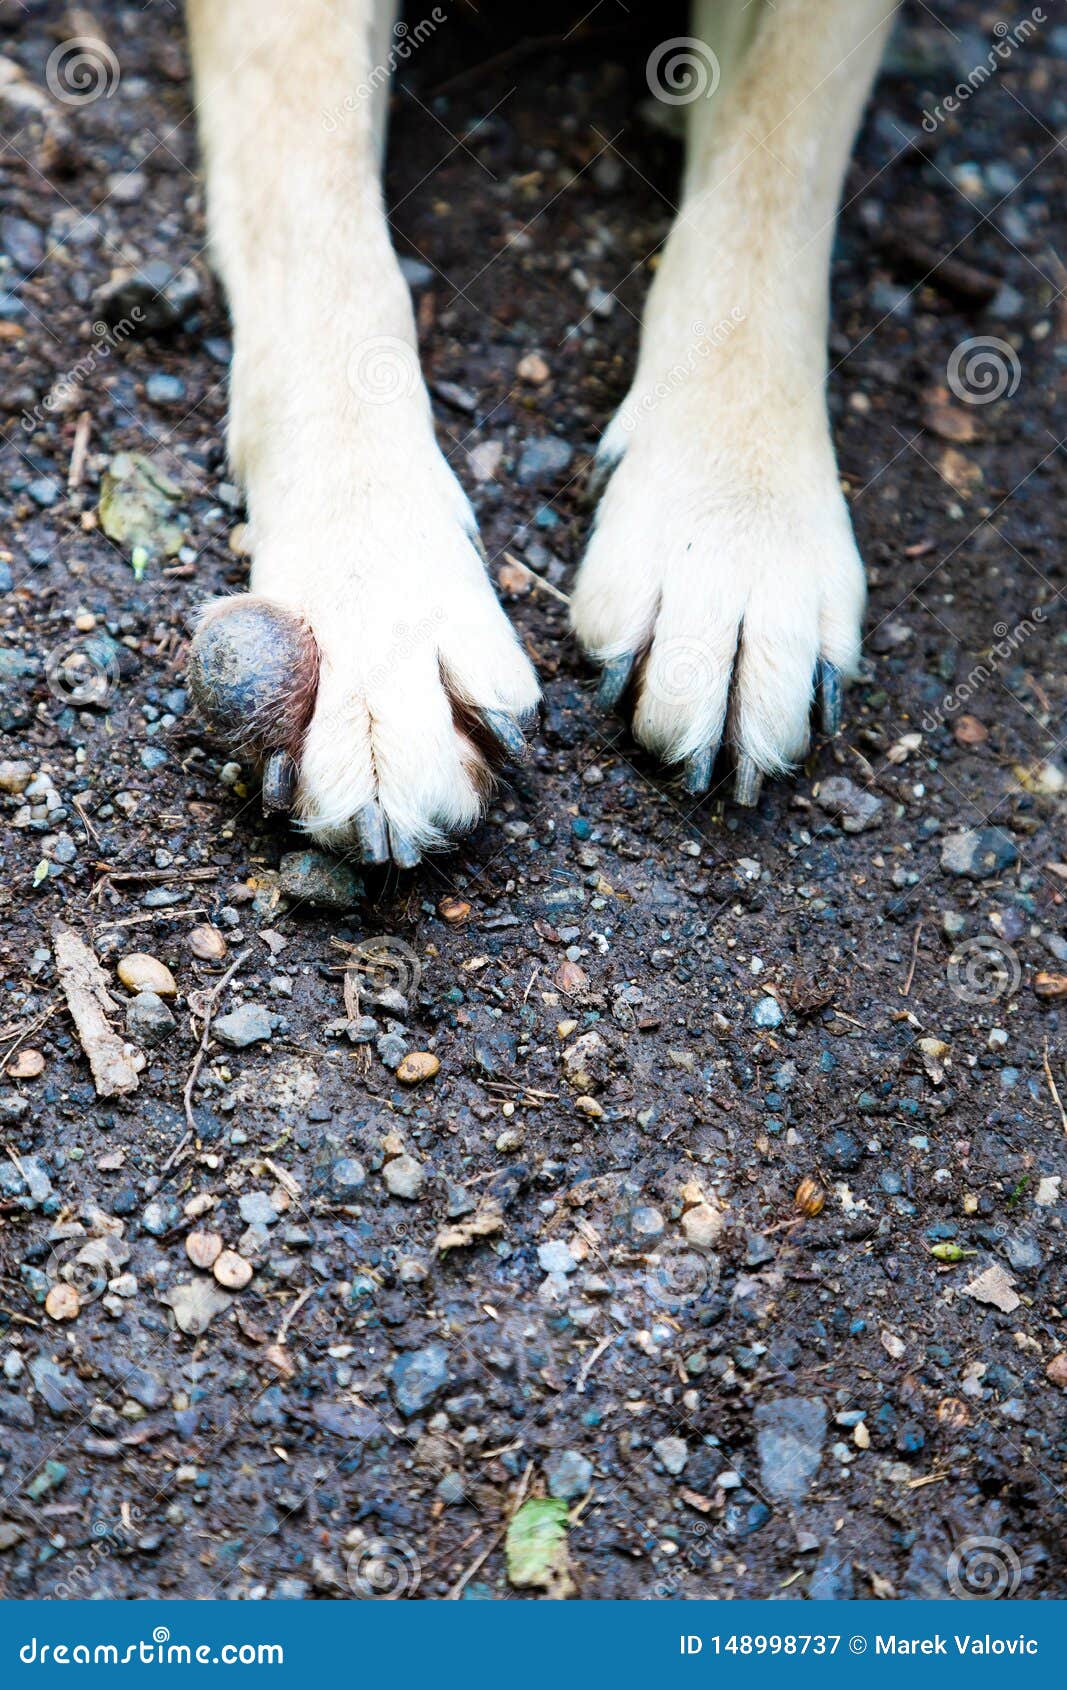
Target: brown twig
1056	1098
906	988
205	1033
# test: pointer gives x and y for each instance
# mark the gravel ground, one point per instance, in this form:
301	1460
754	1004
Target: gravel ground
645	1200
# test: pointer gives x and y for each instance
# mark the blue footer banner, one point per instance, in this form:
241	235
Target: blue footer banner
515	1645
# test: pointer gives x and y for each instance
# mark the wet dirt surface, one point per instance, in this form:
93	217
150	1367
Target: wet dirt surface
574	1260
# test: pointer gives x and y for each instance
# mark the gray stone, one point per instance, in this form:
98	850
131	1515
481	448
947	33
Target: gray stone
249	1025
768	1013
831	1579
148	1020
346	1176
313	877
257	1209
569	1474
392	1048
855	809
555	1257
673	1452
418	1376
789	1438
543	460
451	1489
404	1177
979	853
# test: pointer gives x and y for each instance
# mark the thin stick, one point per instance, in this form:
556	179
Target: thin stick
1052	1088
914	959
537	580
209	1010
79	451
479	1561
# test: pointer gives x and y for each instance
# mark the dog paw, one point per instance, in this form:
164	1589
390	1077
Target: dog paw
377	692
721	591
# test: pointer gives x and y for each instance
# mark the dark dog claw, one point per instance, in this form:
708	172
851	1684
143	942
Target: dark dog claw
405	853
279	783
747	783
614	679
507	733
697	775
372	834
828	681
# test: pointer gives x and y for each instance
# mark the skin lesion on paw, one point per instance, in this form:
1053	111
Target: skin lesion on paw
254	675
253	671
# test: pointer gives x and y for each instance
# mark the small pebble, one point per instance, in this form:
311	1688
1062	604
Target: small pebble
207	944
416	1066
203	1248
232	1271
62	1302
140	972
26	1064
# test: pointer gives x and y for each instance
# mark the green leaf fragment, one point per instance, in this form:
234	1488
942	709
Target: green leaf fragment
138	509
536	1547
41	871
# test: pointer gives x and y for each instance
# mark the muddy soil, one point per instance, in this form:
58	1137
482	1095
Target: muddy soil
732	1216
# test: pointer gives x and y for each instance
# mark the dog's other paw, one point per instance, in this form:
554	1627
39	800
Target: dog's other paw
377	693
721	591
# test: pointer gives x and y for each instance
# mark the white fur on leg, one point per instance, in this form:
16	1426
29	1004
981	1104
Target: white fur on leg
356	521
722	549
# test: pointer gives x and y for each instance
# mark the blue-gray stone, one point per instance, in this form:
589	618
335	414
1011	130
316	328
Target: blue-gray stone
789	1437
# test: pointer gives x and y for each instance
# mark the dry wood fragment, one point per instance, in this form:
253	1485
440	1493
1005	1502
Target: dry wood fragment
85	987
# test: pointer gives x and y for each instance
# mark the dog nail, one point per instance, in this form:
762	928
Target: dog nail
614	678
829	683
507	733
747	783
279	783
405	853
371	831
697	776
